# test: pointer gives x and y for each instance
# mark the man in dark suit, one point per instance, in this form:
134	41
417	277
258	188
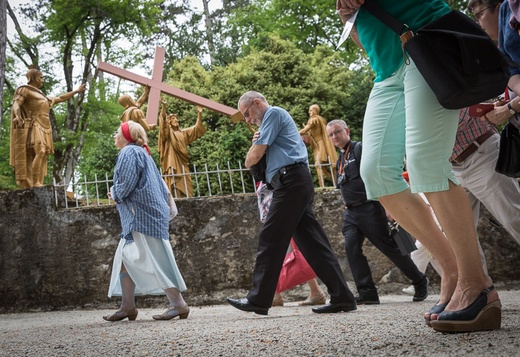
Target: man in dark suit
366	218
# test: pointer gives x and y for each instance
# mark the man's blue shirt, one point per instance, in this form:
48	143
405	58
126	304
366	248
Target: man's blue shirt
278	131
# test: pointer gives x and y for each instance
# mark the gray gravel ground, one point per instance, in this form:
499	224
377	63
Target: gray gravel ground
393	328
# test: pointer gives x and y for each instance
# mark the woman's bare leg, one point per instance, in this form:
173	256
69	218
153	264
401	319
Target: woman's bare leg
175	297
414	215
454	213
127	290
316	291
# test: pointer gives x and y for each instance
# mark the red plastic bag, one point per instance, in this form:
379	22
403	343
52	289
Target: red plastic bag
295	270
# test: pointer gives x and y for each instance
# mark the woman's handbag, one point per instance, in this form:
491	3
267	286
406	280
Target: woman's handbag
171	203
295	270
508	162
173	207
458	60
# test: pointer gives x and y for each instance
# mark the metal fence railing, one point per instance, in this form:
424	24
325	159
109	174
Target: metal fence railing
205	181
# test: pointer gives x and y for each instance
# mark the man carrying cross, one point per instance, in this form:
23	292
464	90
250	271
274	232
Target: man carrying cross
133	110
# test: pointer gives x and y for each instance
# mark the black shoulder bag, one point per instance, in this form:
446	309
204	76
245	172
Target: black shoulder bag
508	162
458	60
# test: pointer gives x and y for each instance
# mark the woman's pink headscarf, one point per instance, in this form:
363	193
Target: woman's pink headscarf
126	134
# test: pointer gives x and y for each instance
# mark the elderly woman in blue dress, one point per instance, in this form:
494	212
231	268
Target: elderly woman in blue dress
143	263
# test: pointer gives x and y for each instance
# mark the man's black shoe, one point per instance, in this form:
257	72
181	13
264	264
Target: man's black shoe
365	300
421	290
244	305
333	308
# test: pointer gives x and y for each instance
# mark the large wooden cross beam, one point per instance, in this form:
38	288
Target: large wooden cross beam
157	87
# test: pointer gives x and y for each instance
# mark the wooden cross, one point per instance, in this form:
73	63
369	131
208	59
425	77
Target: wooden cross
157	87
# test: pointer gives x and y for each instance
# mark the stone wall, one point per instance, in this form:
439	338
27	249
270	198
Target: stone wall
53	258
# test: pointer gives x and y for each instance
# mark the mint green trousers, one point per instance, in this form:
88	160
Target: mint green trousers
404	122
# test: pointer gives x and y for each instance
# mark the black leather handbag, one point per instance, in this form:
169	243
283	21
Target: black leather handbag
458	60
508	162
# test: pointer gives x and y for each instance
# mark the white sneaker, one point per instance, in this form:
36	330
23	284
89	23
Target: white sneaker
409	290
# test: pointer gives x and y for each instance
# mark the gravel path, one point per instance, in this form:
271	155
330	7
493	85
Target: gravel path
393	328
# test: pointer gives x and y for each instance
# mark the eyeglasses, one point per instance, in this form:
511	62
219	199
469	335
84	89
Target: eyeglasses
479	14
246	112
335	132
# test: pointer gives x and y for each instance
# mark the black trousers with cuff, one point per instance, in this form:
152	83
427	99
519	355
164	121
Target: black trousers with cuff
291	215
369	220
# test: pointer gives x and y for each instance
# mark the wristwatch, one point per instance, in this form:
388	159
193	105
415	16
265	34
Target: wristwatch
511	110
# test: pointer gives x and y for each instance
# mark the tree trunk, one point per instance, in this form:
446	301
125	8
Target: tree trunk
3	41
209	31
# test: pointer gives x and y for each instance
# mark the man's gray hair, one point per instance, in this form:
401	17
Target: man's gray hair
339	122
249	96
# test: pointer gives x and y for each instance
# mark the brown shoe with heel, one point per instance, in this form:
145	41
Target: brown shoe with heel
172	312
311	301
122	314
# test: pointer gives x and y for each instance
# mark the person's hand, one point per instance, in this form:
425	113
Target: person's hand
497	116
163	102
18	122
346	8
255	136
500	102
110	193
81	88
200	109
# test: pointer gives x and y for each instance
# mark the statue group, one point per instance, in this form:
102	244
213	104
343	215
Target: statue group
31	136
173	141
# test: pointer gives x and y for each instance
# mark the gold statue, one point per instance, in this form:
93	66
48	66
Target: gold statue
323	149
31	132
133	109
173	150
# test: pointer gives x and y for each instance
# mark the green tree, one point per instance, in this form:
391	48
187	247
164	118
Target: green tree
179	31
227	39
458	4
83	32
306	23
97	163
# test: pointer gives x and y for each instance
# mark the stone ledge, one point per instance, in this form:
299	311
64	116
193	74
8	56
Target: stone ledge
53	259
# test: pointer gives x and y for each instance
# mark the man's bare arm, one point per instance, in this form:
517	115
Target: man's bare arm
254	154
